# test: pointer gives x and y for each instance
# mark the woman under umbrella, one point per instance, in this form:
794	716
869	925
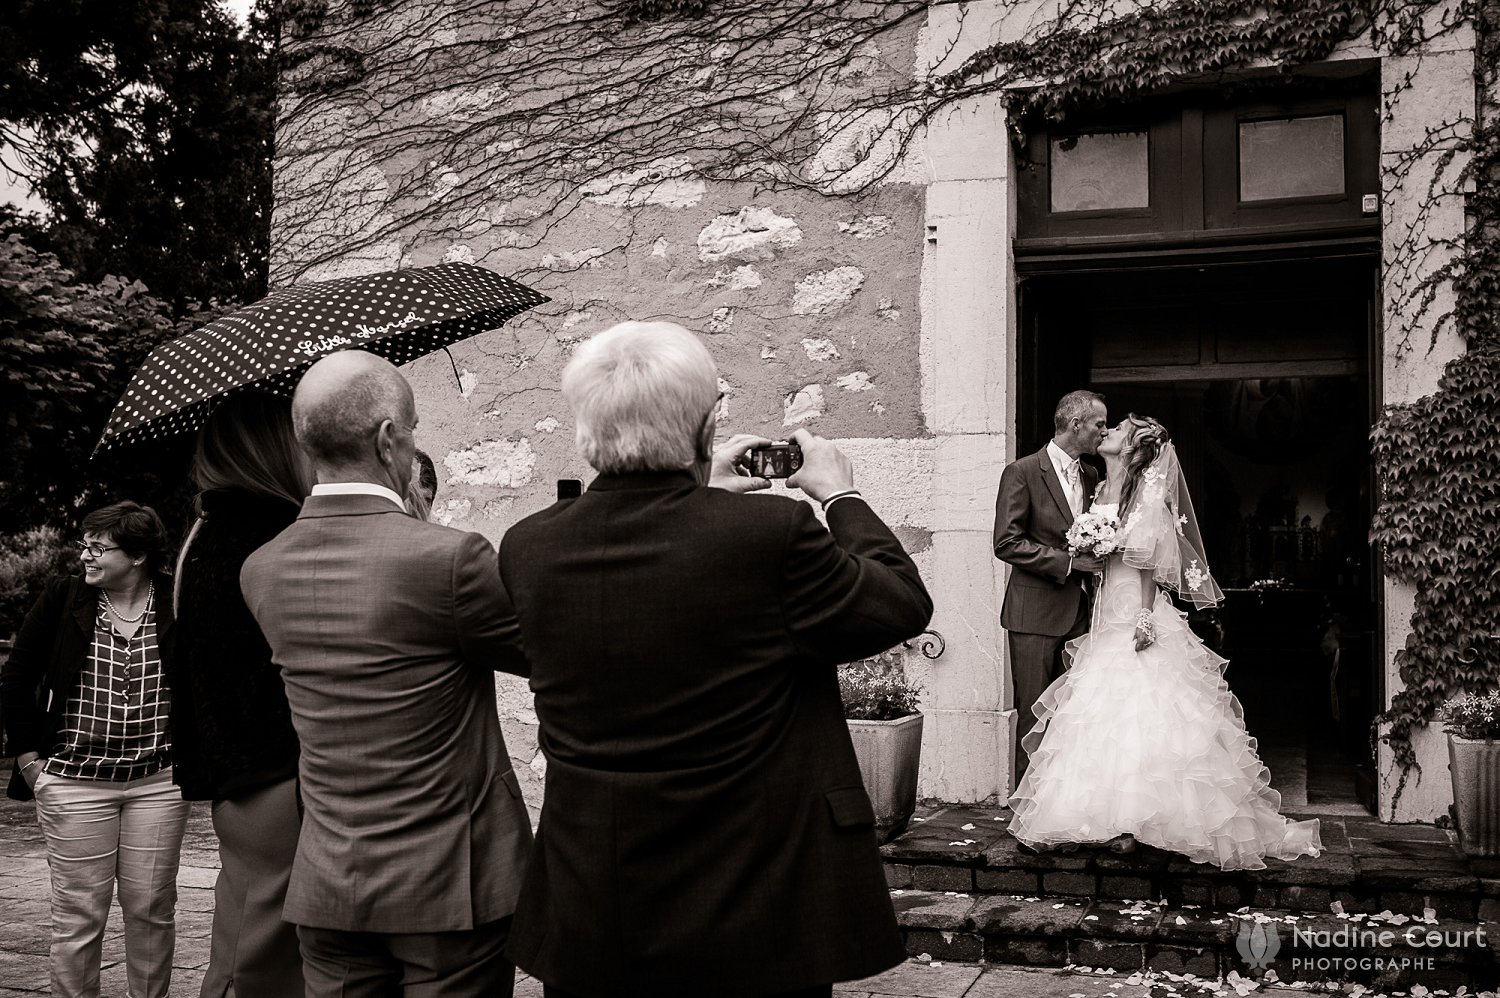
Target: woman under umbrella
86	704
235	741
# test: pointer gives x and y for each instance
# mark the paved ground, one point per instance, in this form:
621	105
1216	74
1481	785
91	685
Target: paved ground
24	933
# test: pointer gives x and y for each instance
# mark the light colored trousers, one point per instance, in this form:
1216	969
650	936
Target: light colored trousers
99	834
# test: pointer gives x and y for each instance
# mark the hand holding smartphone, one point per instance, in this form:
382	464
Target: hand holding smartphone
781	459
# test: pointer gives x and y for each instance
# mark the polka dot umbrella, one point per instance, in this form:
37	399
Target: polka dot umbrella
398	314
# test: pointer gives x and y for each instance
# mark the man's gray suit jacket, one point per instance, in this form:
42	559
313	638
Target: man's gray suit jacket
386	629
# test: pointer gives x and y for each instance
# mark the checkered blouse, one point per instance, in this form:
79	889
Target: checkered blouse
115	723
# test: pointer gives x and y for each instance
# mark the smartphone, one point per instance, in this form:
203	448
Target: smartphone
778	460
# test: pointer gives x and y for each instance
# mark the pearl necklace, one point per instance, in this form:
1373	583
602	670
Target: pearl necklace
109	605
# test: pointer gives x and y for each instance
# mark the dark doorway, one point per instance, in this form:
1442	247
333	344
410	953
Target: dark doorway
1261	372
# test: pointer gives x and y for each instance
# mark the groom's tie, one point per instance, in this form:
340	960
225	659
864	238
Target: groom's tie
1075	488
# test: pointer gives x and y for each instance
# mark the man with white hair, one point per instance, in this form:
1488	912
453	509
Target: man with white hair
387	630
704	828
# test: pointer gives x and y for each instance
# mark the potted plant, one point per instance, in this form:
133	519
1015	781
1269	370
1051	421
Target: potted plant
881	707
1473	723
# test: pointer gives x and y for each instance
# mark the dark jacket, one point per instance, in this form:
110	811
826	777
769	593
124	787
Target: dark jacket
704	820
231	727
1032	517
50	650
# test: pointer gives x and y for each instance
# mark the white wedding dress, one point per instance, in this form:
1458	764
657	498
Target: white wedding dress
1150	743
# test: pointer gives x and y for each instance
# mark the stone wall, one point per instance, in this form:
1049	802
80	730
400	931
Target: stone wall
848	264
809	303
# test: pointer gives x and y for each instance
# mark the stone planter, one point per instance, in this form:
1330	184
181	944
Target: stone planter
888	753
1474	765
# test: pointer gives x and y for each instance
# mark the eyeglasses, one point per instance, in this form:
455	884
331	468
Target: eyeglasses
93	550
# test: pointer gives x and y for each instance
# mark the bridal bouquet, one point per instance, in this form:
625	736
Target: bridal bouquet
1094	534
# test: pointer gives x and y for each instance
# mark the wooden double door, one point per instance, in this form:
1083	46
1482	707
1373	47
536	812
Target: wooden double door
1262	372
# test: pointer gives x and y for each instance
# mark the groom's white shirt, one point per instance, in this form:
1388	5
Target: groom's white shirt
1061	462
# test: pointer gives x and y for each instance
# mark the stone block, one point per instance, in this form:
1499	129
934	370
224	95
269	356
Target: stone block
898	875
1021	918
928	980
966	282
948	146
1026	952
1404	902
1414	115
1489	908
965	753
1181	960
1265	896
965	946
1327	870
1296	898
1124	887
1335	836
1107	953
1195	928
1143	861
26	937
1118	920
1039	861
1232	893
1189	890
965	474
1023	882
937	837
939	912
1459	906
942	878
1069	884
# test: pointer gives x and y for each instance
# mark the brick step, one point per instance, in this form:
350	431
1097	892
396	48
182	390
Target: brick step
1129	936
1366	867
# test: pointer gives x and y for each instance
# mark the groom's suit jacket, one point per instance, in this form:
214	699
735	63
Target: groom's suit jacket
1032	518
387	630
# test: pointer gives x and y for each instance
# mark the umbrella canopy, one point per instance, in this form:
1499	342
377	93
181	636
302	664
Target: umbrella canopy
398	314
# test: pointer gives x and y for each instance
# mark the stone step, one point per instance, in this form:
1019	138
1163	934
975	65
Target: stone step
1366	867
1387	950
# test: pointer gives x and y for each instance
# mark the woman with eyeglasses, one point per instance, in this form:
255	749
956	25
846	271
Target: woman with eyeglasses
236	745
86	704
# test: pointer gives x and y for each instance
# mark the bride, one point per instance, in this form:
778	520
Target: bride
1141	736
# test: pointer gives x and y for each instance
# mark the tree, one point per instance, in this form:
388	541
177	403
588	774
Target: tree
147	129
67	349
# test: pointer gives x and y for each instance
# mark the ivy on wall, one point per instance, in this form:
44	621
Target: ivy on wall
1439	518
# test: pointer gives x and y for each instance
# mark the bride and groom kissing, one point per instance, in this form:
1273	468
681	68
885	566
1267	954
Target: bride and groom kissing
1127	730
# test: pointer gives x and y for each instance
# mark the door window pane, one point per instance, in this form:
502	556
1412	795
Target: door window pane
1292	158
1100	171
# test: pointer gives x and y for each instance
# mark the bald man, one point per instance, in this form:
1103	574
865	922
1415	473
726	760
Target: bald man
388	630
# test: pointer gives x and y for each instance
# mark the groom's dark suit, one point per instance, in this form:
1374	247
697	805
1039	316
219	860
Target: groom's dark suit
1045	605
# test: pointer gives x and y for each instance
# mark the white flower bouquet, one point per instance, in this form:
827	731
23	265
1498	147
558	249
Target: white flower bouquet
1094	533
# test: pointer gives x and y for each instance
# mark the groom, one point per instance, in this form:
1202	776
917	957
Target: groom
1046	602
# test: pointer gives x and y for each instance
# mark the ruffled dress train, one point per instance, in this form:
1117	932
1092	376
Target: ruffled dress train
1151	744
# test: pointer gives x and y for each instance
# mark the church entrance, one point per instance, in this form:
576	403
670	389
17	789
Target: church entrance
1262	372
